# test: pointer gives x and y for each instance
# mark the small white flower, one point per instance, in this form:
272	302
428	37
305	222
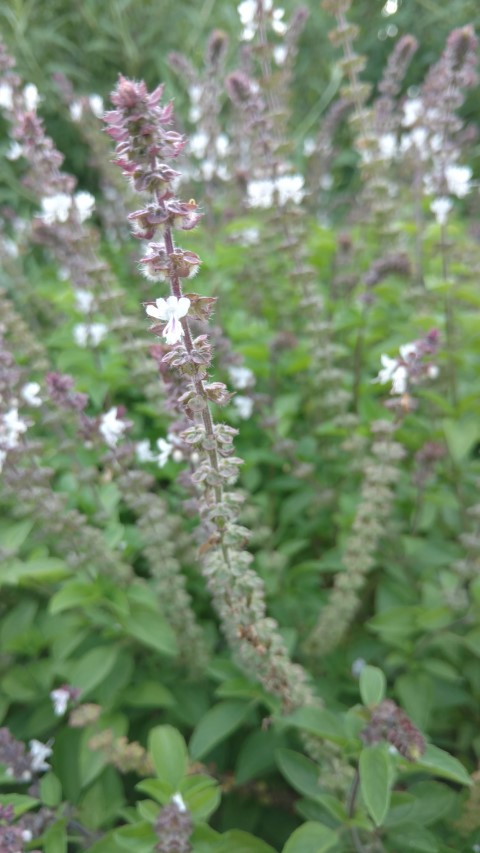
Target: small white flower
143	451
222	144
290	188
387	144
198	144
179	802
260	192
392	749
309	146
241	377
195	94
441	207
164	451
458	180
39	752
194	115
96	105
84	300
244	406
247	11
433	371
89	334
14	152
56	208
85	204
400	380
249	236
11	428
30	393
6	96
393	372
357	666
280	53
408	350
412	110
112	427
76	110
31	97
27	835
60	698
171	310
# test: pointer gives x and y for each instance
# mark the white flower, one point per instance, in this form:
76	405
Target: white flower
280	53
194	114
393	372
247	11
198	144
6	96
56	208
241	377
31	97
179	802
14	152
412	110
195	94
27	835
96	105
164	451
260	192
171	310
143	451
309	146
60	698
441	207
222	144
400	380
387	144
84	300
85	204
389	367
433	371
290	188
11	428
112	427
407	350
458	180
357	666
30	392
76	110
86	334
244	406
249	236
38	753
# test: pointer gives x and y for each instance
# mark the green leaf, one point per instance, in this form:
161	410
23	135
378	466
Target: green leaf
55	838
461	436
50	790
92	668
302	773
75	594
375	781
150	629
237	841
318	722
219	722
256	756
168	750
148	694
441	763
372	685
37	570
20	802
202	796
312	837
413	837
13	536
139	838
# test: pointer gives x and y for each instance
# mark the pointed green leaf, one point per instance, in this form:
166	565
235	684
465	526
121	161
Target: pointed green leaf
375	781
168	750
312	837
372	685
216	725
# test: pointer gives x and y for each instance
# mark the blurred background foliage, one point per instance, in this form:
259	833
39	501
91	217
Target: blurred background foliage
92	42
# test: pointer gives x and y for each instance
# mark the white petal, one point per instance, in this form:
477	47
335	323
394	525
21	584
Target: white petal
183	306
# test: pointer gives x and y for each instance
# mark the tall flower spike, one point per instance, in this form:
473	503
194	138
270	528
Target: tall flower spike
141	127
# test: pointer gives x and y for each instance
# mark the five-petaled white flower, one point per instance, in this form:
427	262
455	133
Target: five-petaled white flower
164	451
60	698
440	208
55	208
394	372
112	427
171	310
38	753
30	393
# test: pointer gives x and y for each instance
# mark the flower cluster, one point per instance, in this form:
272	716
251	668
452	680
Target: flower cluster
174	827
388	722
19	764
410	367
